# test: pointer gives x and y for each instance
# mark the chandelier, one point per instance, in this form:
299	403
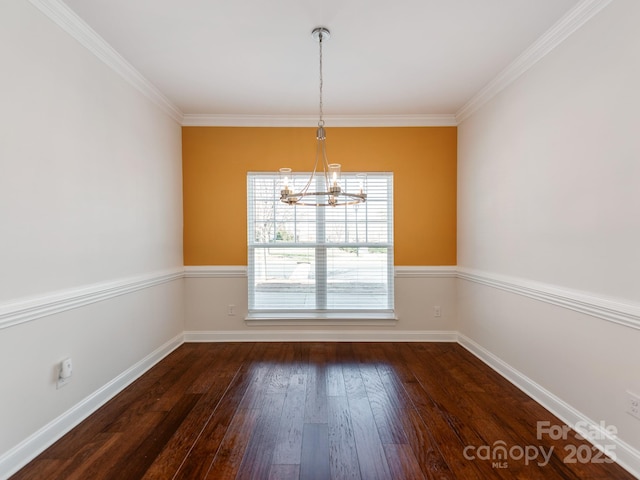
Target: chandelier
333	193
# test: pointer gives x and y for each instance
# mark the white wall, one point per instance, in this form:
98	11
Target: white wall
549	196
90	198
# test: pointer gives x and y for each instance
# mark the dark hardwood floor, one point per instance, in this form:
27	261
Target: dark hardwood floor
320	411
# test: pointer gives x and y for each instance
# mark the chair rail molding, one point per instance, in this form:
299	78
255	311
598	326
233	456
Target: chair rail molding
613	310
25	310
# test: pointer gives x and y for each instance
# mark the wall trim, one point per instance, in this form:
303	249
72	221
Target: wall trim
222	120
626	456
558	33
213	271
272	335
426	271
627	314
26	310
18	456
232	271
620	312
71	23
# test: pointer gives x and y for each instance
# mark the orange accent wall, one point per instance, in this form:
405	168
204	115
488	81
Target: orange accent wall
216	161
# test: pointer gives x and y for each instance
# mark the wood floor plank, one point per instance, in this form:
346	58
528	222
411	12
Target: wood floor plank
95	450
314	409
40	468
224	358
178	447
402	462
229	457
343	455
335	380
464	416
93	465
284	472
373	463
425	449
478	420
256	462
385	413
315	452
467	417
137	461
353	383
211	388
444	434
300	360
208	444
185	377
260	374
288	448
280	376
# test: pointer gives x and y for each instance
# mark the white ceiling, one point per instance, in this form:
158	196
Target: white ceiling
257	57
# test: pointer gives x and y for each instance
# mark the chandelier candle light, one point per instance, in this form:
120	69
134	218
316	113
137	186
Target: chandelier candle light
333	195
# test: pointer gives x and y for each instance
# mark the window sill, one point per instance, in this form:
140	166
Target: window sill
321	319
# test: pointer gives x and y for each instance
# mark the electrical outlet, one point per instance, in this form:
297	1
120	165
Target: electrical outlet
231	310
65	369
437	311
633	405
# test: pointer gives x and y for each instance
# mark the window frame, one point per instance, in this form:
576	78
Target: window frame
321	248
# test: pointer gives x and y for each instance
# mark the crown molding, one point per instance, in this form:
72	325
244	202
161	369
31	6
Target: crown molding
71	23
567	25
220	120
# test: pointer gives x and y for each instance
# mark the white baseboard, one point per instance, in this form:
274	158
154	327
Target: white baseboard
626	456
320	336
16	458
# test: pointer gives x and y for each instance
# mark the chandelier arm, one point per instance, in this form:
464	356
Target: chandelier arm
305	189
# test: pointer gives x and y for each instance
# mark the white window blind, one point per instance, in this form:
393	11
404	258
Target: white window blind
320	259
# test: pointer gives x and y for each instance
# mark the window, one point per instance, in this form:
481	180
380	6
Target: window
320	260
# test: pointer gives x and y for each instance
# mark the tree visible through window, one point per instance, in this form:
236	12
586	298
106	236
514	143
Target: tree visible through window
320	259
